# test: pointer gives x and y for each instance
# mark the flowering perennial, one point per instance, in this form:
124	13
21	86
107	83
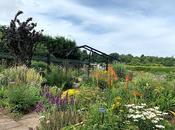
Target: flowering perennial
140	114
60	102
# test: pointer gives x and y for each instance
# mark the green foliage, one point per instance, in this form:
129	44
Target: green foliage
2	68
94	117
39	65
166	99
20	75
59	47
3	97
97	122
102	84
2	43
120	70
56	120
57	76
22	98
152	69
154	90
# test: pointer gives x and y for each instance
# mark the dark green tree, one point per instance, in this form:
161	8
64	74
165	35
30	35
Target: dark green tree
21	39
3	48
60	47
116	56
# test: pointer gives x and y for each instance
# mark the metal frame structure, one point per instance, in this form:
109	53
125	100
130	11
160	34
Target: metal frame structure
92	50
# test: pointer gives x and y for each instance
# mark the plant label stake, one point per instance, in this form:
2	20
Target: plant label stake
102	111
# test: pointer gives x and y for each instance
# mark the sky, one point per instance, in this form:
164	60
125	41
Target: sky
124	26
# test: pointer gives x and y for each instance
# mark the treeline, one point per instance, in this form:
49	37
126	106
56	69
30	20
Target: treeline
59	47
144	60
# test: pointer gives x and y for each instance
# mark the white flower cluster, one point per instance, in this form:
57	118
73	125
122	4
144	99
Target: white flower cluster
142	113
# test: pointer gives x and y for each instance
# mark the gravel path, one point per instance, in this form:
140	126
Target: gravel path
31	120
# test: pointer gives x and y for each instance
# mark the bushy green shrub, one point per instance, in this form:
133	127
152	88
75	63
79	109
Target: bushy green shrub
39	65
22	98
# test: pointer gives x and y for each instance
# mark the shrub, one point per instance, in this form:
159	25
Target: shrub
39	65
20	75
57	76
22	98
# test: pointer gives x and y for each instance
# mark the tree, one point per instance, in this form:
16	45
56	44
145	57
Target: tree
84	56
2	44
60	47
21	39
116	56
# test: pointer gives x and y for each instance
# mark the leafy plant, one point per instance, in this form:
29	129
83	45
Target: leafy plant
40	66
57	76
22	98
120	70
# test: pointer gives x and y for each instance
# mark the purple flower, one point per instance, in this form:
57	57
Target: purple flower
65	100
48	95
39	107
51	99
57	101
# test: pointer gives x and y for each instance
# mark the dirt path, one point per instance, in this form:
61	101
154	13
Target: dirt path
31	120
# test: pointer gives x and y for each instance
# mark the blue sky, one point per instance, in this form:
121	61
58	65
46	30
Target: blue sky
124	26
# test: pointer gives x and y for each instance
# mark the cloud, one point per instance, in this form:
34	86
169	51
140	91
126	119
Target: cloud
135	27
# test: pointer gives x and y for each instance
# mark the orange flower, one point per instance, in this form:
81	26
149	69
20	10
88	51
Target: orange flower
111	75
137	93
127	78
108	76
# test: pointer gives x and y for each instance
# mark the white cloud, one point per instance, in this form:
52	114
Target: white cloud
132	29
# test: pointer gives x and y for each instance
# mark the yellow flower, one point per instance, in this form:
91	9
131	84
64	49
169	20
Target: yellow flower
70	92
117	103
113	106
118	98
